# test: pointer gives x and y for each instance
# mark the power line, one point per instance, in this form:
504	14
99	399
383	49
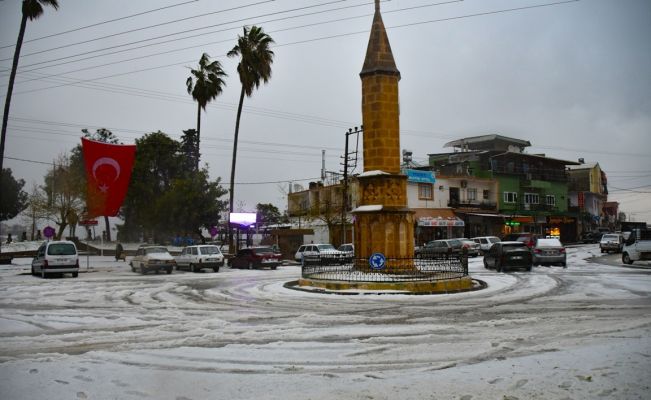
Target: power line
103	22
166	35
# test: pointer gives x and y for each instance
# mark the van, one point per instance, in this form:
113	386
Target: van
56	257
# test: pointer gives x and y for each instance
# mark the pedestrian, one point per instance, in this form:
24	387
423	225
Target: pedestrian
9	239
38	235
119	250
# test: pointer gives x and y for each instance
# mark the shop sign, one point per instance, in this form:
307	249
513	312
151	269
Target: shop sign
418	176
430	221
561	220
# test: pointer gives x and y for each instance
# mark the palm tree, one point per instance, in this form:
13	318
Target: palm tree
254	68
32	9
204	85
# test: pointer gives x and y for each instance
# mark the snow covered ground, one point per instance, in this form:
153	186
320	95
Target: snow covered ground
576	333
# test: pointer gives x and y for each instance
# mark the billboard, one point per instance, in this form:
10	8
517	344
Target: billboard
243	219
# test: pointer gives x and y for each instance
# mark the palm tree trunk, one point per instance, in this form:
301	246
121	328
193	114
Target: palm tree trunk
232	183
108	228
10	89
196	153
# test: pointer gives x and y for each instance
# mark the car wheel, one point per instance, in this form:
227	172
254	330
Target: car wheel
33	272
273	267
250	265
626	259
169	270
192	269
530	267
216	269
498	267
142	269
43	274
485	264
75	274
133	269
564	264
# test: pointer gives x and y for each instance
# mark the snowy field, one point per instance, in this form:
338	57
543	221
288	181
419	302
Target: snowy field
576	333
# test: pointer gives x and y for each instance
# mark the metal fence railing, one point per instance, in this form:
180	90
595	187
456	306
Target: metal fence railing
388	270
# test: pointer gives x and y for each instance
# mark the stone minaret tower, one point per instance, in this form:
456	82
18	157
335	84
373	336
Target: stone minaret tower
383	222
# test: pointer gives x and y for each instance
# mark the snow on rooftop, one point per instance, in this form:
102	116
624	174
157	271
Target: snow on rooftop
375	172
368	208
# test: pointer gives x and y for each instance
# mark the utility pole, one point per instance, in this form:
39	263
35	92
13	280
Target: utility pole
347	157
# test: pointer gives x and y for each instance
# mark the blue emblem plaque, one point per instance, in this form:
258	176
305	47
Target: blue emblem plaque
377	261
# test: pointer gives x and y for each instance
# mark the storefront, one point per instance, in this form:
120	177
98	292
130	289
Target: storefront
433	224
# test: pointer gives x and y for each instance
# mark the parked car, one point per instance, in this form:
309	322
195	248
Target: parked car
504	256
485	242
611	242
152	258
637	246
472	247
549	251
525	237
591	237
255	257
349	251
197	258
321	253
440	248
57	256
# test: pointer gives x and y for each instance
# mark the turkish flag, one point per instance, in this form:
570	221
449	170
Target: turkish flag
108	170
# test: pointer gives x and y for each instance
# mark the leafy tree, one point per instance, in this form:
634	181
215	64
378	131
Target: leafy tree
32	9
189	148
164	197
60	197
254	68
204	85
14	199
268	214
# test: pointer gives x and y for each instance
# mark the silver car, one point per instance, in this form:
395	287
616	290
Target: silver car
549	251
485	242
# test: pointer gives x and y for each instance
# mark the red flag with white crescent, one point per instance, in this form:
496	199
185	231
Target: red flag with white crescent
108	171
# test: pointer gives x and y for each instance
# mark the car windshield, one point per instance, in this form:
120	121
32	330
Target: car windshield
207	250
549	243
154	250
610	237
454	243
263	250
493	239
328	247
62	249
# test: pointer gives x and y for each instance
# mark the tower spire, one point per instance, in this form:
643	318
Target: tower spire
377	5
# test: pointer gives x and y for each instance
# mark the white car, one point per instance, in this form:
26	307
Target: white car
56	257
485	242
152	258
320	253
196	258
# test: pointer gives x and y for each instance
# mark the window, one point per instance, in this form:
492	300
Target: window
551	200
510	197
425	191
472	194
486	194
531	198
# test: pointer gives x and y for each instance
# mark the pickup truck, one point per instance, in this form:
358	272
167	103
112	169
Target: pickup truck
637	247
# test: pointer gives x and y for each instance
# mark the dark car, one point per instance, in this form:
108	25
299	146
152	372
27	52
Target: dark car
255	257
440	248
504	256
525	237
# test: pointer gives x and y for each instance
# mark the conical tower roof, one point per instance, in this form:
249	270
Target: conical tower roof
379	58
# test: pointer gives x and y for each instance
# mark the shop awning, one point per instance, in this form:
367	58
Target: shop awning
437	217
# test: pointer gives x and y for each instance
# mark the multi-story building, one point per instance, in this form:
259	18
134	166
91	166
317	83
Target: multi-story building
529	191
588	194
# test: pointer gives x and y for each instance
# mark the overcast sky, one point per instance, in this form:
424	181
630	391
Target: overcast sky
572	78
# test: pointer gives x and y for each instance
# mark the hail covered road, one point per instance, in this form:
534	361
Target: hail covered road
576	333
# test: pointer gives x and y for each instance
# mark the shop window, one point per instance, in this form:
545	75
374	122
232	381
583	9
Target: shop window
425	191
510	197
